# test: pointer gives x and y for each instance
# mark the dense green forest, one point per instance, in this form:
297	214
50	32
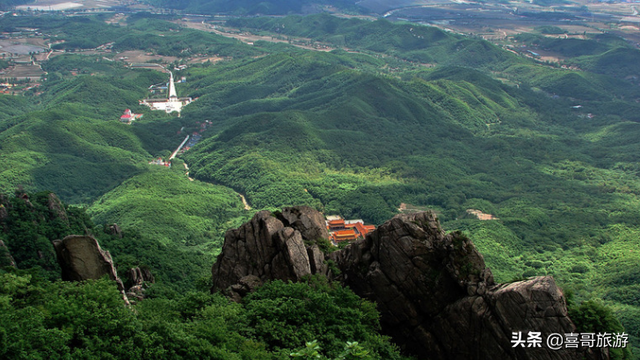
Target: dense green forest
452	139
145	31
57	320
30	222
419	44
408	115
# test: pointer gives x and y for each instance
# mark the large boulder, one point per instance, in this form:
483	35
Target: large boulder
263	248
307	220
115	230
490	319
81	258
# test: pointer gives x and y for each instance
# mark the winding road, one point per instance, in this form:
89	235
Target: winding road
244	200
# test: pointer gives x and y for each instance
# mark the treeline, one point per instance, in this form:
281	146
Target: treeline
9	4
604	53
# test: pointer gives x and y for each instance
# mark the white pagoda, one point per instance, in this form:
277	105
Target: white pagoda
171	103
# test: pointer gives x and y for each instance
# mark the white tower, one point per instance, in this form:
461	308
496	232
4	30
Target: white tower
172	87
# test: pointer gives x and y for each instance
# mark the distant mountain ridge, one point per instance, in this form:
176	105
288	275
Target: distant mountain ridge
254	7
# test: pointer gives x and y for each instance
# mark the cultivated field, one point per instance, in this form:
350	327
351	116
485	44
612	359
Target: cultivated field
22	46
23	71
139	56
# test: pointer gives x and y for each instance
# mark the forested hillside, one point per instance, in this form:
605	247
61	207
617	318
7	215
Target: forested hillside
165	206
404	118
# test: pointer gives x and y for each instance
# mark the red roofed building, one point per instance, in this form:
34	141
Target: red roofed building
341	230
128	117
364	229
336	225
344	235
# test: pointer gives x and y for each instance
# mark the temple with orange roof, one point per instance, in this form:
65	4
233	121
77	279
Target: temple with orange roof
335	225
341	230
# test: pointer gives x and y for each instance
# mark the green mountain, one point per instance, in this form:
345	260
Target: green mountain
326	133
71	148
404	117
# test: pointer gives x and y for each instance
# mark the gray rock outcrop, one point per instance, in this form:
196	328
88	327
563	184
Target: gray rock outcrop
5	256
57	208
309	222
436	297
263	248
136	283
81	258
115	230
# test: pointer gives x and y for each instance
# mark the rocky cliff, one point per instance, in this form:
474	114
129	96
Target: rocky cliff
436	297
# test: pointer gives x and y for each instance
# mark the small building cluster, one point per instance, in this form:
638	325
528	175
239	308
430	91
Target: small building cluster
160	162
128	117
193	140
341	230
5	88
